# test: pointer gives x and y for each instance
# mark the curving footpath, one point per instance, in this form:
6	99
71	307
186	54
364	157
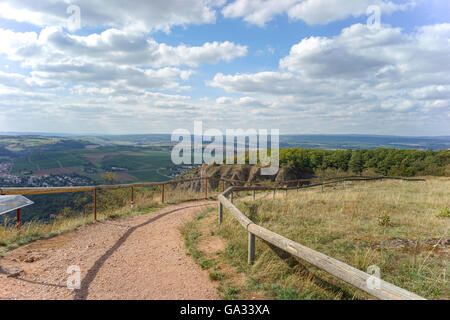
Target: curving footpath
142	257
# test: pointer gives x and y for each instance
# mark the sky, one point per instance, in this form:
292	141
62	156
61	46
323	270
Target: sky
301	66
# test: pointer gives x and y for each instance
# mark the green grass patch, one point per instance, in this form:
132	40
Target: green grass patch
191	234
445	213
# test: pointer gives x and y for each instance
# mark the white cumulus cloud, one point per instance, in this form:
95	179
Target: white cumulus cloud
259	12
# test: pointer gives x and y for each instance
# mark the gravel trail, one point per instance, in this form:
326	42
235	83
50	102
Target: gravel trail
142	257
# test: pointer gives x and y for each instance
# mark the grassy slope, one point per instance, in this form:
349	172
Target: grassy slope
388	224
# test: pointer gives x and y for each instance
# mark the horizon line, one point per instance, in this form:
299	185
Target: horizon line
18	133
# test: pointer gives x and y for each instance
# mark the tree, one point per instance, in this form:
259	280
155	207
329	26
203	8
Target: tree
110	177
356	163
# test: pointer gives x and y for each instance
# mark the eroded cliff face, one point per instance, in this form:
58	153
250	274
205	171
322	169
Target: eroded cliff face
241	172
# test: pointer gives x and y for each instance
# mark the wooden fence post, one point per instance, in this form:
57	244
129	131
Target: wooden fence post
95	204
162	194
206	188
251	248
285	193
274	193
231	196
132	197
220	212
254	194
18	220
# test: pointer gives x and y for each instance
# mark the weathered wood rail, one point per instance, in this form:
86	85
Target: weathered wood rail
94	189
357	278
53	190
343	271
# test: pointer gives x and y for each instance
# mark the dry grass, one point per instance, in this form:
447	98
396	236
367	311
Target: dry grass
392	224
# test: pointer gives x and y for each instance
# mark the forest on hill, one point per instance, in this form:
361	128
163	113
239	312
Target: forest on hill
382	161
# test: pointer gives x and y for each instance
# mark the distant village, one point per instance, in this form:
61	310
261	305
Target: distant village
62	180
178	170
65	180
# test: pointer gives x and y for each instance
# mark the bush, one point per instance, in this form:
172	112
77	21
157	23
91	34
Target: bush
384	220
444	213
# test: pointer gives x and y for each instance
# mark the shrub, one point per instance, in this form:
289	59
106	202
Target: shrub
384	220
216	275
445	213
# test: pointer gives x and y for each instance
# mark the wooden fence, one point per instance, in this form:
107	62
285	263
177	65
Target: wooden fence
343	271
357	278
94	189
300	183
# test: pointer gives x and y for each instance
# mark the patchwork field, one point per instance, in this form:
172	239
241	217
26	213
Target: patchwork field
129	164
48	161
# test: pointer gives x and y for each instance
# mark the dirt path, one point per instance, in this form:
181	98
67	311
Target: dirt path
134	258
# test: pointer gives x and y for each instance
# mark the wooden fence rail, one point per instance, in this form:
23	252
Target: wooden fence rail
345	272
54	190
51	190
242	185
359	279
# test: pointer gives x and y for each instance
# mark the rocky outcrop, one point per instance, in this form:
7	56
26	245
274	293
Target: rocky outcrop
242	172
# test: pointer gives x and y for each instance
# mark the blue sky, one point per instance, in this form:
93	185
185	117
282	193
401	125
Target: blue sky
302	66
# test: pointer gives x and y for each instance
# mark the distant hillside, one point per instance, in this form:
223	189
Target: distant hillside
356	141
315	141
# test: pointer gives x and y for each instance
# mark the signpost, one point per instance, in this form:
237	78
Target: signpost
11	203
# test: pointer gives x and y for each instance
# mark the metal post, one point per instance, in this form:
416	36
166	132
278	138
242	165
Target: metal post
254	194
132	197
251	248
344	183
286	192
274	193
162	194
206	188
322	187
18	220
95	204
220	212
231	196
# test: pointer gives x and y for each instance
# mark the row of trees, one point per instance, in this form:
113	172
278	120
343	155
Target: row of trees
383	161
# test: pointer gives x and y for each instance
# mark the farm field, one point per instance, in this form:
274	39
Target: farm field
49	160
130	164
132	158
401	227
143	166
